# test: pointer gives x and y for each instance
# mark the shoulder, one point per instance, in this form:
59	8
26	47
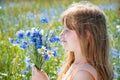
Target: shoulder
85	70
87	67
82	75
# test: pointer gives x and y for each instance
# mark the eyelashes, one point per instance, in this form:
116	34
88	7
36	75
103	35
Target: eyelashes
66	30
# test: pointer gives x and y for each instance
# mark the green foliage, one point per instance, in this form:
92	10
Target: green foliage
23	15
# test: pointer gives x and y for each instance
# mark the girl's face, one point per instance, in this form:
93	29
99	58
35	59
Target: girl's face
69	39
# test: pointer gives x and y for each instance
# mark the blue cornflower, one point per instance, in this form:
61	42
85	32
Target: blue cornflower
44	20
46	57
27	60
24	45
59	28
3	62
40	39
52	32
33	39
118	67
59	69
55	51
11	40
115	75
116	53
25	72
36	33
20	34
28	33
36	38
28	66
38	45
54	39
18	41
46	39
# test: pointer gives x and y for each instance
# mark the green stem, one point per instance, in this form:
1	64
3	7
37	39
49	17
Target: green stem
41	62
38	60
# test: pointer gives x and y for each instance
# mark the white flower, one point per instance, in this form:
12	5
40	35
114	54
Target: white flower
42	50
50	53
0	7
42	31
118	26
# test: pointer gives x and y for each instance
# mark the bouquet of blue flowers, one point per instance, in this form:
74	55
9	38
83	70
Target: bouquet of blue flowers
37	44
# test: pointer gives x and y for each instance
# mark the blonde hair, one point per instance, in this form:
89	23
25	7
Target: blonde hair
86	16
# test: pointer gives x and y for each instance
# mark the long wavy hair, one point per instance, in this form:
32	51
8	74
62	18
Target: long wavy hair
83	17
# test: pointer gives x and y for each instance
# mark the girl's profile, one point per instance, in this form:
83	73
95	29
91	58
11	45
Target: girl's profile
86	41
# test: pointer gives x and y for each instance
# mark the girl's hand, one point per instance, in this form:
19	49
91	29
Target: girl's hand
38	75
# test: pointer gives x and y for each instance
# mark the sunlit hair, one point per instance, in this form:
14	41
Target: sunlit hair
83	17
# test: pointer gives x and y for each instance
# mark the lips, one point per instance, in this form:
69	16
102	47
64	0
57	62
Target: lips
63	40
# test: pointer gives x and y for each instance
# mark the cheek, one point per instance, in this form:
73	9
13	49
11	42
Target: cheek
71	45
74	42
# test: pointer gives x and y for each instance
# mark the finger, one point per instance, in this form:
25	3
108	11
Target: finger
33	69
43	72
32	65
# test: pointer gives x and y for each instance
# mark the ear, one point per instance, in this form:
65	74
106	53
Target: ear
88	34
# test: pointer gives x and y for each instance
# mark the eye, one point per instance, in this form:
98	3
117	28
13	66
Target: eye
66	30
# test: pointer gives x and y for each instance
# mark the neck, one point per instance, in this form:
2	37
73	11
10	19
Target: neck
79	58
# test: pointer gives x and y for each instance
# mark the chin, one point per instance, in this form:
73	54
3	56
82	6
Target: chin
66	48
69	50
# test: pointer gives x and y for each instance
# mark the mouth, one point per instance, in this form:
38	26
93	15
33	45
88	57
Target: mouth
64	41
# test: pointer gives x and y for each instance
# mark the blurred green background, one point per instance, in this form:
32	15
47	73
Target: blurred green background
25	14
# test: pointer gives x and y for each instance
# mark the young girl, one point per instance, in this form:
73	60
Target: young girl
85	38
